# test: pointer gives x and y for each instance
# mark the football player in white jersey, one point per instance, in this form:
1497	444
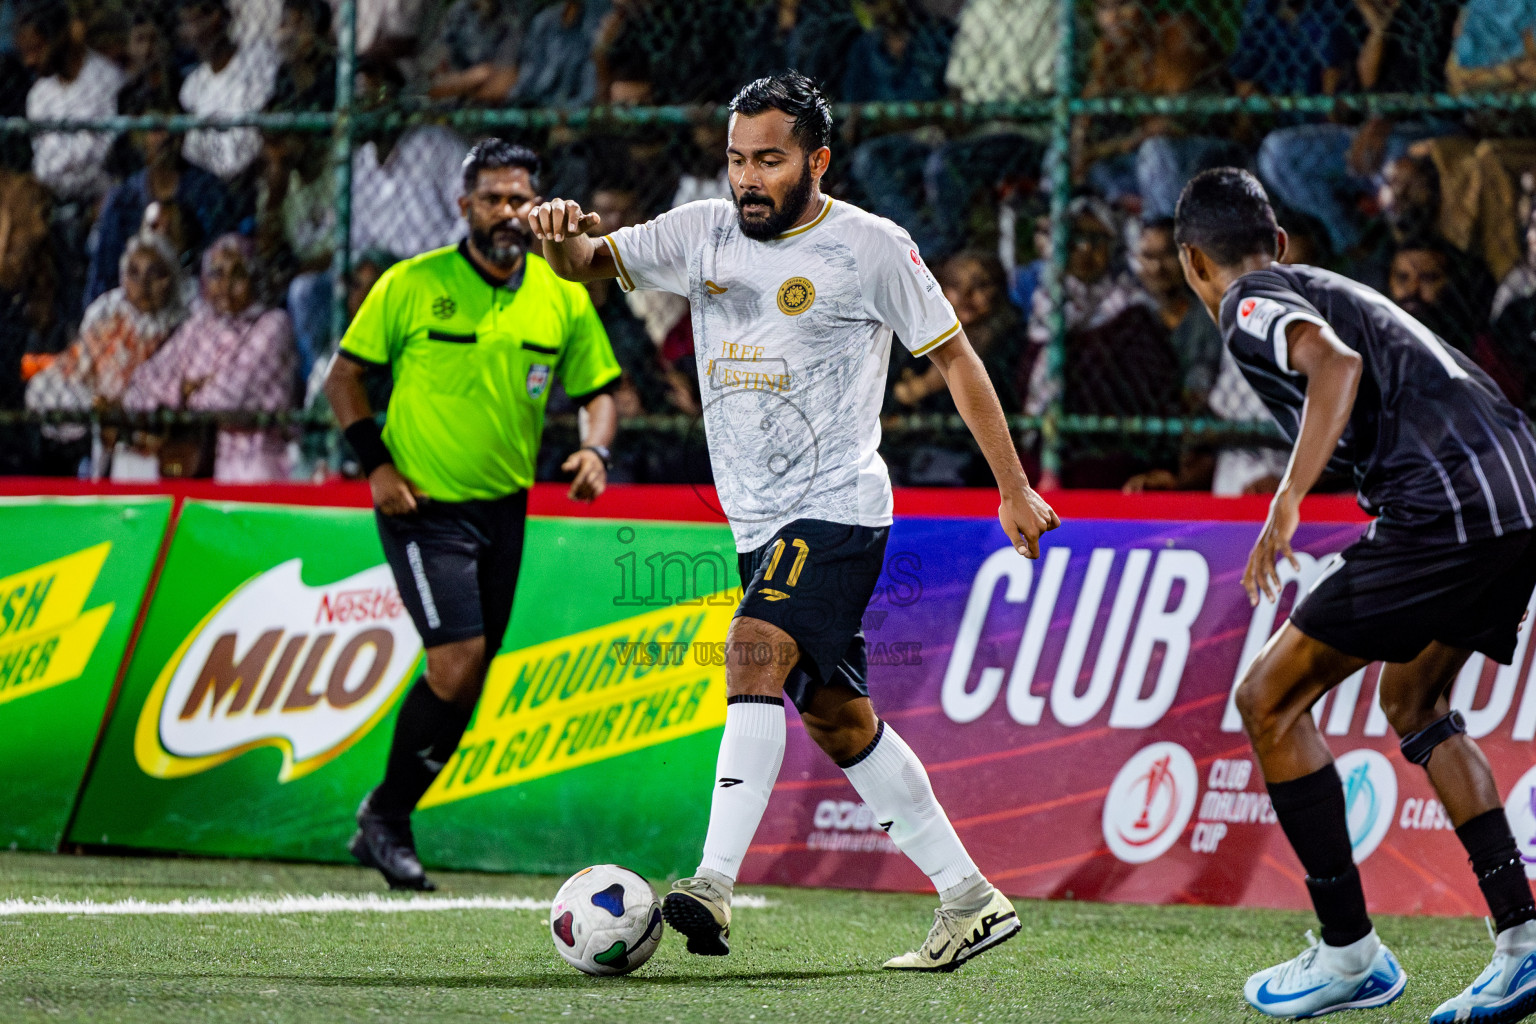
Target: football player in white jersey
795	298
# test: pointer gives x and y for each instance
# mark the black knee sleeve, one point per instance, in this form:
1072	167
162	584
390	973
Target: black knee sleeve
1419	745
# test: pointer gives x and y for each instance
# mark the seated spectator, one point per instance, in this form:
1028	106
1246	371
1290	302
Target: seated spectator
231	81
555	66
1293	47
306	80
167	177
231	354
151	65
121	329
1138	53
476	51
1193	334
1306	240
30	321
703	167
72	82
296	235
900	58
405	184
629	81
1325	170
1408	199
976	285
1004	50
816	37
1095	291
1514	322
387	30
648	385
1495	50
1443	290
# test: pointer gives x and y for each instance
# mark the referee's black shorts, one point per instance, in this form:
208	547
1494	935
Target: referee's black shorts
1386	596
456	565
814	580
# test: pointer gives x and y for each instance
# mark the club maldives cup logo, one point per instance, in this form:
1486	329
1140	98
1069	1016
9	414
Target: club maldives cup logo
279	663
1150	802
1370	798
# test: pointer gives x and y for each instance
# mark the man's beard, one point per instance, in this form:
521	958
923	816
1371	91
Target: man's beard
509	251
779	218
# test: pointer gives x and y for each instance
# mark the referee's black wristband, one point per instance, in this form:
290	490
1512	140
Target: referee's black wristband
367	440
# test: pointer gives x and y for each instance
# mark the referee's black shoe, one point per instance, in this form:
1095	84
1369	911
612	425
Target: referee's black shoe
385	842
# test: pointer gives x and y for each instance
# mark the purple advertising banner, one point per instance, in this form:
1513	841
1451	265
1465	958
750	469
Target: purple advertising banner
1075	715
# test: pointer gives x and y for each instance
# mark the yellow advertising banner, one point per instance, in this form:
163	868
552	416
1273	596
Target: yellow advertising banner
591	696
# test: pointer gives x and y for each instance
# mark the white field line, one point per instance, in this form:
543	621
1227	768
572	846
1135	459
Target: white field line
329	903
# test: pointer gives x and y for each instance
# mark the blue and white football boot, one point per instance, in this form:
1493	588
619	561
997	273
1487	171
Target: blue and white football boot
1328	978
1506	990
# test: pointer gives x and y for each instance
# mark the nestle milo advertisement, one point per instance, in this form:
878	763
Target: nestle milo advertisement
260	700
73	573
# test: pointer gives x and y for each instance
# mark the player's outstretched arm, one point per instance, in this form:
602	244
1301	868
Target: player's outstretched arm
1023	513
1333	374
565	231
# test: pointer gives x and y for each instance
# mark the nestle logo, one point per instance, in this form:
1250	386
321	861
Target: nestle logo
365	605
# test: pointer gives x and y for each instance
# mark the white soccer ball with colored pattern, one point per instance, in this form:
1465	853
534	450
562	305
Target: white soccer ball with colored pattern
605	920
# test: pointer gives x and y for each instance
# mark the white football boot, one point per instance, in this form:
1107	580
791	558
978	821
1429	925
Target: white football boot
1327	978
957	936
1506	990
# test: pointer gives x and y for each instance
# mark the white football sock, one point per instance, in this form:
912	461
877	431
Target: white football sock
894	785
751	752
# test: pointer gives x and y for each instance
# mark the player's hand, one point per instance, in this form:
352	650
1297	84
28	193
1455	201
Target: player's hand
1274	542
591	475
558	219
1152	480
1025	516
393	494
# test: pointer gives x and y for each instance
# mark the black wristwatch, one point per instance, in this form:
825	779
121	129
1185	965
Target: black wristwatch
602	453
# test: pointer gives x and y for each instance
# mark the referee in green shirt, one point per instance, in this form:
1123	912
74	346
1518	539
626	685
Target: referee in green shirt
474	336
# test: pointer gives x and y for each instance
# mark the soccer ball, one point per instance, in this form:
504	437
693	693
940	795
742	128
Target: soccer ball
605	920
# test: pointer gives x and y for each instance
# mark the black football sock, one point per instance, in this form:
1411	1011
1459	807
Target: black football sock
1500	872
427	732
1312	813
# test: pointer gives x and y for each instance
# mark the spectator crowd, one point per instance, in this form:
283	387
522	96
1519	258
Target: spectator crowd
149	271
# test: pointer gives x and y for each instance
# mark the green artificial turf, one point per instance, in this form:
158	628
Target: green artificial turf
811	955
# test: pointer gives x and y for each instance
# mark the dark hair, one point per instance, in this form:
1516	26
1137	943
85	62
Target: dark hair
991	267
1225	212
791	93
318	12
222	6
385	70
492	154
48	18
1307	228
629	65
1167	224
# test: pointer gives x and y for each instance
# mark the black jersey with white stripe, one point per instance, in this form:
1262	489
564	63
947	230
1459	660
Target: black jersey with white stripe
1432	443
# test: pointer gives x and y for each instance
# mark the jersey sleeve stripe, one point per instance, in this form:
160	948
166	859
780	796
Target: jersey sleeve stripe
625	281
936	342
1282	347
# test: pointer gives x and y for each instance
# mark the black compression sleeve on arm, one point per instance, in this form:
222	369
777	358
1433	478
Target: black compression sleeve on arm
367	440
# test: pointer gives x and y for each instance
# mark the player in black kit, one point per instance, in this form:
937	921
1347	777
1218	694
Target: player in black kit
1446	465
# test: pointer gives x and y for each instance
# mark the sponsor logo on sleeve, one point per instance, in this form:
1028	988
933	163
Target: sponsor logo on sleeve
924	275
1256	316
279	663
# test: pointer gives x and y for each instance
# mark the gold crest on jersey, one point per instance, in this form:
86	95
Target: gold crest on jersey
796	296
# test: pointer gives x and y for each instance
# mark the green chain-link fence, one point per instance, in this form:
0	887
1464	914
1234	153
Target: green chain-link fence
1033	148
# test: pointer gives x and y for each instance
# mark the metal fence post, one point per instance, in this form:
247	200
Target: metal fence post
1059	162
341	153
